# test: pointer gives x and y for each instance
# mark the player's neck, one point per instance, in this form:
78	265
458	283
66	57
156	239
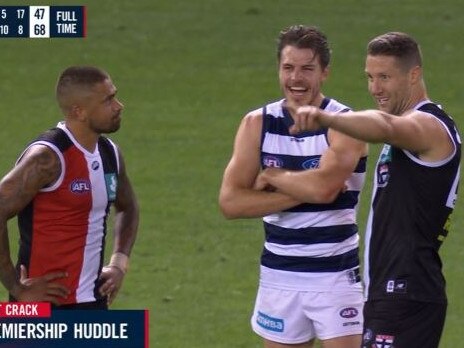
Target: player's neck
87	139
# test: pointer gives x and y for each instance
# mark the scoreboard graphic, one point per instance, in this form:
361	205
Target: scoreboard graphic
42	21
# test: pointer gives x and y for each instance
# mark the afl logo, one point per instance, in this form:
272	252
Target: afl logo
312	163
80	186
349	312
272	161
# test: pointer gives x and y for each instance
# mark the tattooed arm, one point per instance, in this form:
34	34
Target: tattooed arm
38	167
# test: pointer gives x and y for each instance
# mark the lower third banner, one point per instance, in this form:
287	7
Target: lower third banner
77	328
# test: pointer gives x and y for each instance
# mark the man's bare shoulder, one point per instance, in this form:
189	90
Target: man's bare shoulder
253	118
43	161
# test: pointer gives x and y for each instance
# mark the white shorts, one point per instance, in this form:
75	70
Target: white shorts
291	317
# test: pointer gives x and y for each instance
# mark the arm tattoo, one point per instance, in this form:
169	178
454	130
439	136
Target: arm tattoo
38	168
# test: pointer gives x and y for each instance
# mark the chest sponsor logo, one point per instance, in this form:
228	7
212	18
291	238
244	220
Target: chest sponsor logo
312	163
80	186
272	161
111	185
270	323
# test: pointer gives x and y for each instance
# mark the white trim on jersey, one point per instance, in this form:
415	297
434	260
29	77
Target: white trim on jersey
318	281
284	145
312	219
58	181
95	235
63	126
314	250
453	195
437	163
116	153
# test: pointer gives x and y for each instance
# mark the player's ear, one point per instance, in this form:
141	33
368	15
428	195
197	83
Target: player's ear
325	73
77	112
415	74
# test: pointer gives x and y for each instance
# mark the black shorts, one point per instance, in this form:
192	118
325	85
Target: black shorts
403	324
100	304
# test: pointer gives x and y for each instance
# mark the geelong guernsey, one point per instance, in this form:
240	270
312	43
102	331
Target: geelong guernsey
64	226
311	247
411	206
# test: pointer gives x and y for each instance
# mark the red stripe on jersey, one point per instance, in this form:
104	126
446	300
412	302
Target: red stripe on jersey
60	224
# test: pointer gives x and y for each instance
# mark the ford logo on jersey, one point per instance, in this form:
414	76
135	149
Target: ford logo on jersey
349	312
312	163
80	186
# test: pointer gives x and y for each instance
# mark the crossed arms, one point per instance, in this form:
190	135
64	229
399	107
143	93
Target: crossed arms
246	191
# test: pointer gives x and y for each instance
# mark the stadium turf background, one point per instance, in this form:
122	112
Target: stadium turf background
187	71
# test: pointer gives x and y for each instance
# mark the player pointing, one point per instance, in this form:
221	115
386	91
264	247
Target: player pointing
415	188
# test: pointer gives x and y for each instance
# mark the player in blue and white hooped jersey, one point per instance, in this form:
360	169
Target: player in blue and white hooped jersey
306	188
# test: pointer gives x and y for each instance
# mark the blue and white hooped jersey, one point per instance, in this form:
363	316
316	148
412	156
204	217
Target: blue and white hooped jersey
310	246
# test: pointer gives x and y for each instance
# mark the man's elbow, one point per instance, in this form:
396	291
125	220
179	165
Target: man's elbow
228	209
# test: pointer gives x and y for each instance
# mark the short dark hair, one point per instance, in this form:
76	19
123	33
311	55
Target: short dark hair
399	45
77	77
302	36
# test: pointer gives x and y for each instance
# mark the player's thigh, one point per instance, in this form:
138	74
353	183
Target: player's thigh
279	317
350	341
271	344
336	315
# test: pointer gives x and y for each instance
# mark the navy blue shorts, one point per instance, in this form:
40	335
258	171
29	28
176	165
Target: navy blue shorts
403	324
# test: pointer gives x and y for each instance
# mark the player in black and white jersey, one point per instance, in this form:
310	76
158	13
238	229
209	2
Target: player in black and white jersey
415	190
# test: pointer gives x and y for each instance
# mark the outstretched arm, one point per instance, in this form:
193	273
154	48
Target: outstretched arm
125	232
38	167
415	131
238	198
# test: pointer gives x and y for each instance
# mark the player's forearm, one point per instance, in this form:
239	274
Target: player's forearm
8	275
249	203
371	126
310	189
125	229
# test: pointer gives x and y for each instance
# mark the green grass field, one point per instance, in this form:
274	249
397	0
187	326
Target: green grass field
187	71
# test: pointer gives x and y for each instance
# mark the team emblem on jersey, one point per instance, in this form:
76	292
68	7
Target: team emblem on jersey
272	161
80	186
384	341
383	173
311	163
111	185
95	165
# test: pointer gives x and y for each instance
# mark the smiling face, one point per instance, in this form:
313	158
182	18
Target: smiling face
301	76
389	83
